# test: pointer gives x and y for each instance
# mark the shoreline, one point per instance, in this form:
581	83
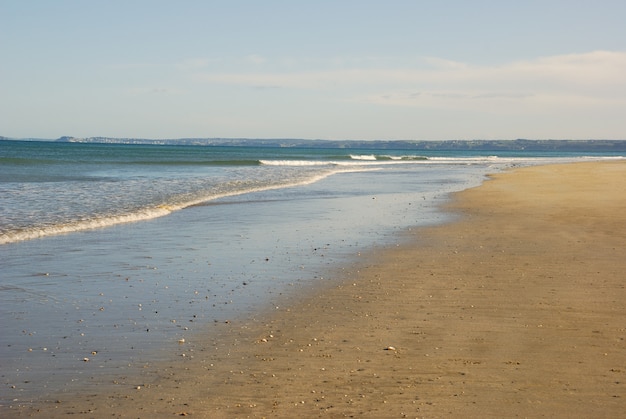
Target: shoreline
513	309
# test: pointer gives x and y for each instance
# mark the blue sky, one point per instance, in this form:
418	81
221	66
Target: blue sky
423	70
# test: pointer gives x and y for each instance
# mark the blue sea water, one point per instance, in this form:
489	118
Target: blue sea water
111	250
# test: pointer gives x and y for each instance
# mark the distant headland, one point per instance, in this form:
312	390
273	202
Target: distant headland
469	145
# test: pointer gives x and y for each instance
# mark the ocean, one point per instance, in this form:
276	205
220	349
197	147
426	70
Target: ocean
111	252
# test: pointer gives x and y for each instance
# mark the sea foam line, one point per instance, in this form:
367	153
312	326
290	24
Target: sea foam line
71	227
375	161
152	212
360	160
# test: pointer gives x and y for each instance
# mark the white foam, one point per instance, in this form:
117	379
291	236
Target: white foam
38	232
155	212
363	157
295	163
369	160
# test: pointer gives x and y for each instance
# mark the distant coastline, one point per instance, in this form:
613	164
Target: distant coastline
469	145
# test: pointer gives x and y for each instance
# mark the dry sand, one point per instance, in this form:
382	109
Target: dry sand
517	309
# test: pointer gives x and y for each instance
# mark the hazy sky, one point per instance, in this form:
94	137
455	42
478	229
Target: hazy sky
361	69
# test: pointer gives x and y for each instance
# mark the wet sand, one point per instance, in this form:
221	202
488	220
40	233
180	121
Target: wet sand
517	309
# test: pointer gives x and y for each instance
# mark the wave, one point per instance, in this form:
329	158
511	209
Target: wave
355	162
349	160
297	162
153	212
383	157
301	163
384	160
379	160
363	157
71	227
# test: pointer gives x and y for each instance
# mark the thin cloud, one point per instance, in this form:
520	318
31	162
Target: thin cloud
568	80
589	81
600	68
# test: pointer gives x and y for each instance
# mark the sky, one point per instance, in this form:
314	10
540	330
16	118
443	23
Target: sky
338	69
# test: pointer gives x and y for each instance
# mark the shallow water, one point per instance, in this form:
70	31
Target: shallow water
122	290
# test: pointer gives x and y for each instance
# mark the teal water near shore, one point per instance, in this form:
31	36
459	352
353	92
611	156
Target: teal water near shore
109	251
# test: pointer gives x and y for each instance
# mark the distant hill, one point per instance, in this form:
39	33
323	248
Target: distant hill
468	145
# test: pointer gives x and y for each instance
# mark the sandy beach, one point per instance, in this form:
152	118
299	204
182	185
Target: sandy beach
516	309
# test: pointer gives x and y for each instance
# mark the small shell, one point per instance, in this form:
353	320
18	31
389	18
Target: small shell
390	348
